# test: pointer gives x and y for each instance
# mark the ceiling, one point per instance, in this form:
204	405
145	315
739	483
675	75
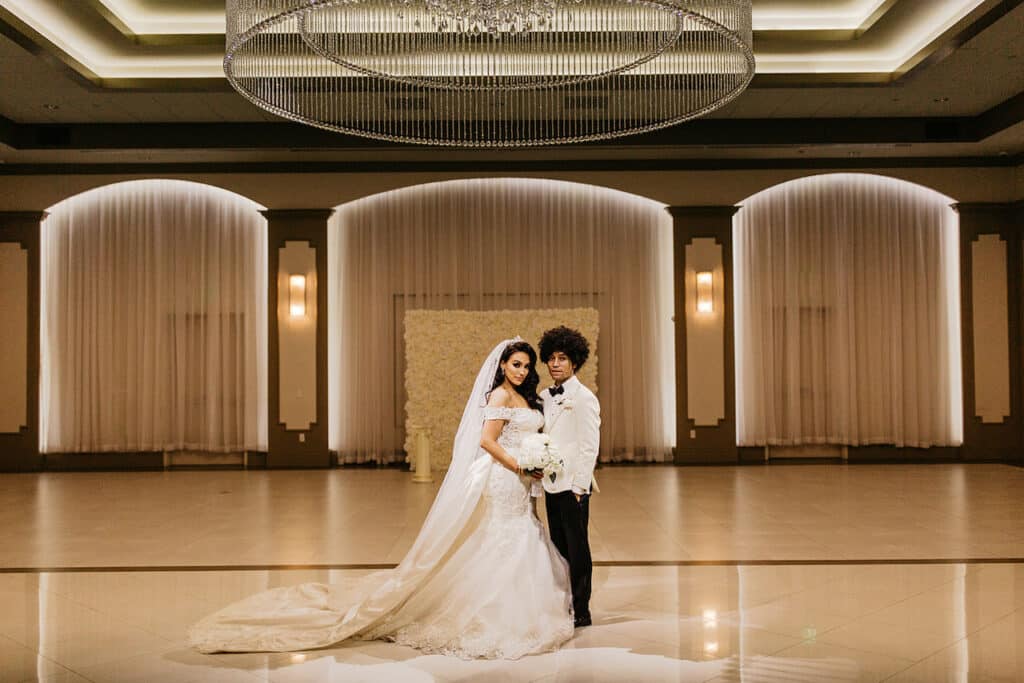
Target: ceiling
96	82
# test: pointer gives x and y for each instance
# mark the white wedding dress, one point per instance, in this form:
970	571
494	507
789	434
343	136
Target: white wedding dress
504	592
482	579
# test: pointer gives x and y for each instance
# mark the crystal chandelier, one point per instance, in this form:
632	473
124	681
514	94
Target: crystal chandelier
489	73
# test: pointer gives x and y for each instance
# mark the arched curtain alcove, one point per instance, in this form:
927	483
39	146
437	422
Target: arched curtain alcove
500	244
154	321
847	314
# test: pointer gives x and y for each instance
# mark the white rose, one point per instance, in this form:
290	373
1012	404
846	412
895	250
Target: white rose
532	452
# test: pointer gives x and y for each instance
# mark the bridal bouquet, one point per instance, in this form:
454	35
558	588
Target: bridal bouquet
538	453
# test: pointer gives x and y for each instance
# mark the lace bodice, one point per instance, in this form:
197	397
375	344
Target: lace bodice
508	495
519	422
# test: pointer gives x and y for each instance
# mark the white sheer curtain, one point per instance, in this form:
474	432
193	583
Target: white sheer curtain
500	244
847	314
154	321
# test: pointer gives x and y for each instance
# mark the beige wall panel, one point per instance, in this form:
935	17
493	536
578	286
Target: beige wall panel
678	188
13	337
705	336
991	329
297	339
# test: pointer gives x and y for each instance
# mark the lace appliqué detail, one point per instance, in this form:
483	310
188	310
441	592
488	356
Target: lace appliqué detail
508	495
518	423
500	413
481	633
479	640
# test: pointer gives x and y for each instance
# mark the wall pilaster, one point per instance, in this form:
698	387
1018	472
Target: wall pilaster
19	339
705	360
991	324
297	363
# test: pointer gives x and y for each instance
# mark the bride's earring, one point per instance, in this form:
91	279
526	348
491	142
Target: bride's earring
501	374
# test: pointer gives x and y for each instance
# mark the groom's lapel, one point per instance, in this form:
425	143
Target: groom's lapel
556	404
552	411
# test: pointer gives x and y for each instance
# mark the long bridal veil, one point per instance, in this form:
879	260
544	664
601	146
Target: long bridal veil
316	615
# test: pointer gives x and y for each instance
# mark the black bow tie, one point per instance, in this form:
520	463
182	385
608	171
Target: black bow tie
555	391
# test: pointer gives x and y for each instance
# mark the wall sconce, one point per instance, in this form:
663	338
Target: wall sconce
705	298
297	295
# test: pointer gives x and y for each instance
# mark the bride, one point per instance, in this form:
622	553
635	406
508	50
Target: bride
482	578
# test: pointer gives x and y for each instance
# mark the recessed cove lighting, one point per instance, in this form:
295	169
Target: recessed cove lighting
55	22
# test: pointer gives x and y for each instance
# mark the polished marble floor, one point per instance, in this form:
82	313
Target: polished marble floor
780	573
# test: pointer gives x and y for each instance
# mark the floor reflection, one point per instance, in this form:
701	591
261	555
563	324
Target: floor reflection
857	622
919	574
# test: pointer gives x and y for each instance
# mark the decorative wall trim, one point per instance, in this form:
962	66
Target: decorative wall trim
991	328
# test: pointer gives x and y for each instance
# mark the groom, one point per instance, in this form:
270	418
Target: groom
572	417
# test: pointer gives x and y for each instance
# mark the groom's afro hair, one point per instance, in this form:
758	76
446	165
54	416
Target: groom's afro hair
568	341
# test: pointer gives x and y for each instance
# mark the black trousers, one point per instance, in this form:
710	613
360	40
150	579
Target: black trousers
567	523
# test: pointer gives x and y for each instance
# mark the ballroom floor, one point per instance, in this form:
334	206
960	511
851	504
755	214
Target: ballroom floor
780	573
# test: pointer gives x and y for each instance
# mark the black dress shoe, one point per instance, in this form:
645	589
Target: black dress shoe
580	622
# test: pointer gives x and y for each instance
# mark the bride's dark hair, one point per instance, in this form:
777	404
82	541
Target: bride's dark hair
528	389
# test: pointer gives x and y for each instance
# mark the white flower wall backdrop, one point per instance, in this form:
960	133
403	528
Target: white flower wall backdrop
441	348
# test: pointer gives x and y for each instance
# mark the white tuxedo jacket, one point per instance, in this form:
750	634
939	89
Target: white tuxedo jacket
573	420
